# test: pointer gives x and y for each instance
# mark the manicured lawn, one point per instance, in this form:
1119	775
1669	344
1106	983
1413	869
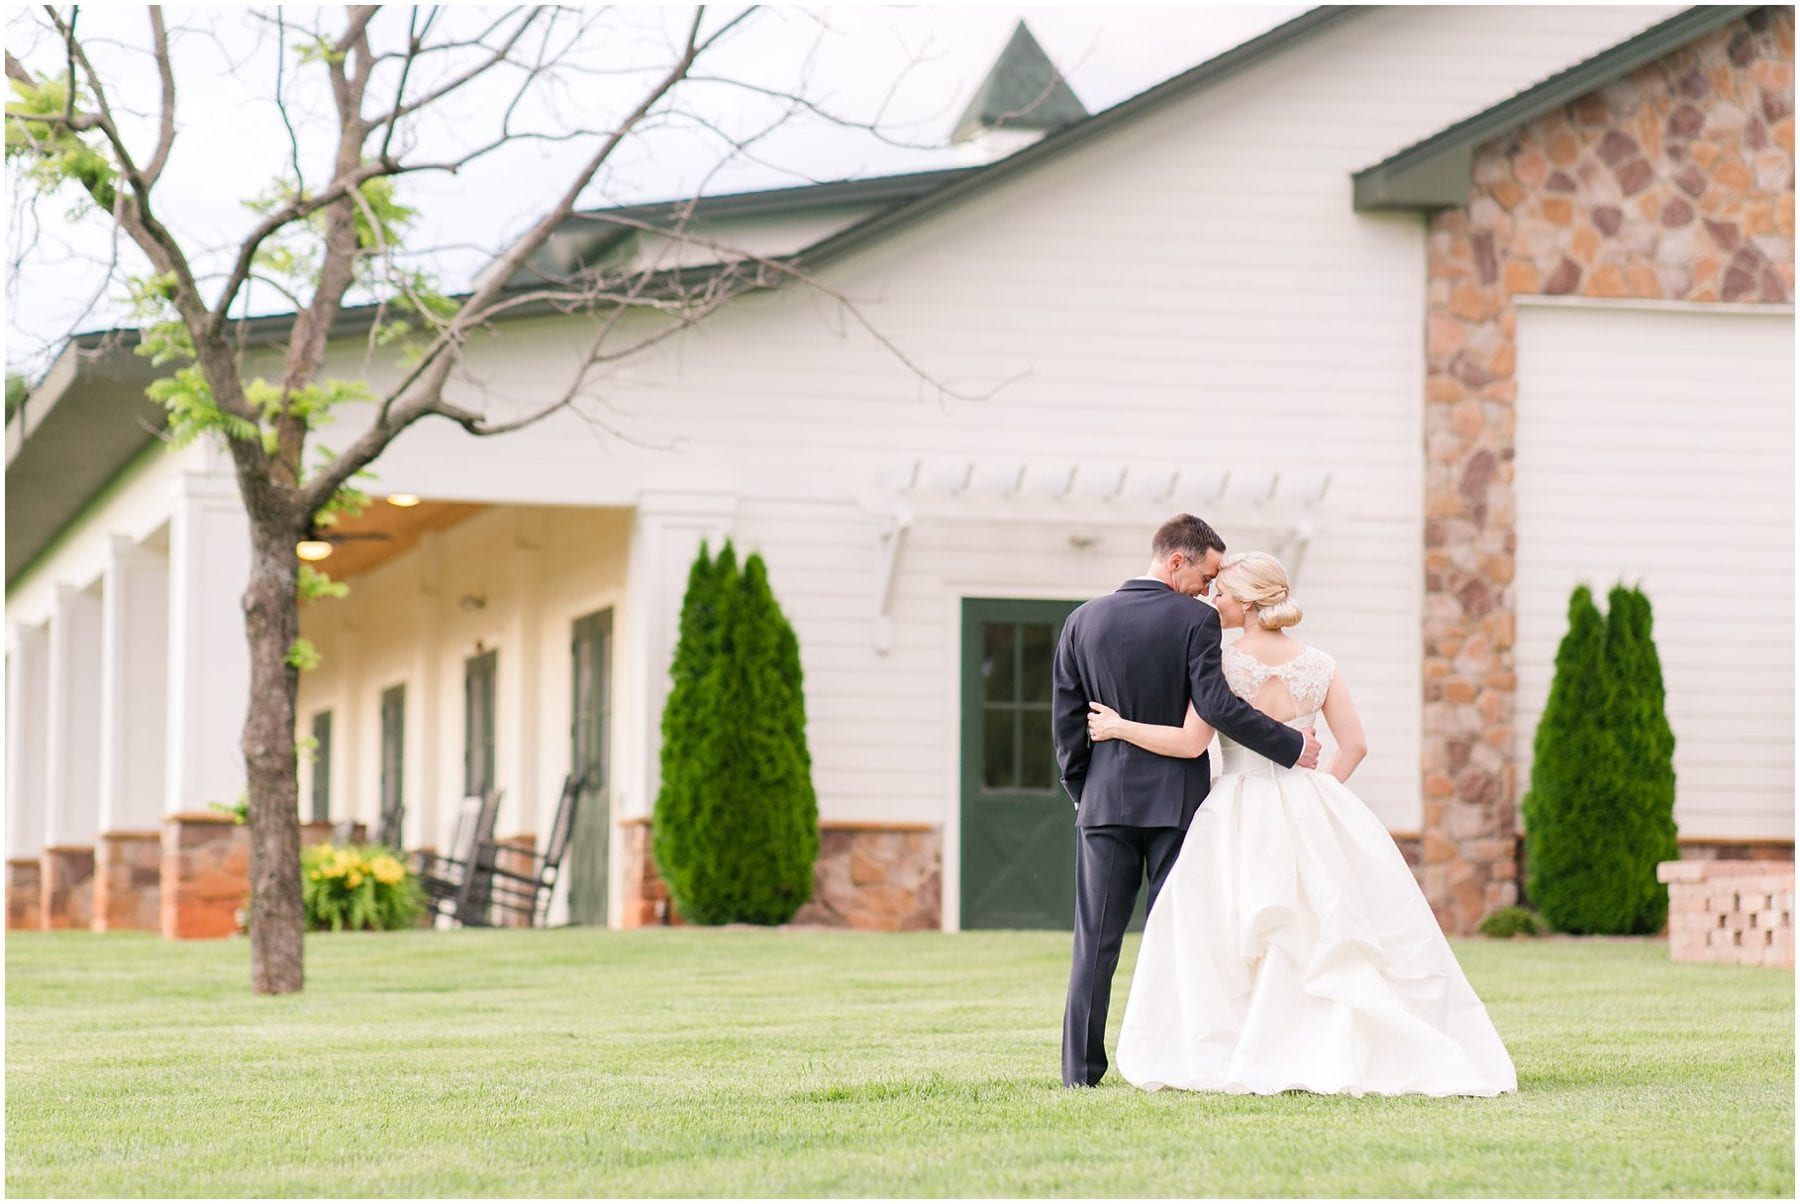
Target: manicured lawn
719	1063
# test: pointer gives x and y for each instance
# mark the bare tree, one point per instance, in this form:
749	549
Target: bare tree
335	240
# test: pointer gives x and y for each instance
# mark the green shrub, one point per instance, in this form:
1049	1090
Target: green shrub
736	830
1514	921
358	887
1646	802
1599	813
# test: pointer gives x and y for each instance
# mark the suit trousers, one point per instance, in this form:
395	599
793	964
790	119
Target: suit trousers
1110	863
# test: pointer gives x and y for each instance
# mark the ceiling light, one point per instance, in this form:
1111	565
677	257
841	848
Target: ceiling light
403	499
312	549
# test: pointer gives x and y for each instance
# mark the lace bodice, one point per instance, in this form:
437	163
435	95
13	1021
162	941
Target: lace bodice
1307	677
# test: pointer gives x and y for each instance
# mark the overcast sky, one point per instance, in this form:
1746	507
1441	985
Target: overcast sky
915	67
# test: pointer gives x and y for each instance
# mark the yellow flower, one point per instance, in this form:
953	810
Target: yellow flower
354	880
387	870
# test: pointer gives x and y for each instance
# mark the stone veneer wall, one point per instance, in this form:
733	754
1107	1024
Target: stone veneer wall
874	876
128	881
877	876
1673	183
205	874
24	892
67	887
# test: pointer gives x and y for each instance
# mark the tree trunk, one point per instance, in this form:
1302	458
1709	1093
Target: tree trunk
272	623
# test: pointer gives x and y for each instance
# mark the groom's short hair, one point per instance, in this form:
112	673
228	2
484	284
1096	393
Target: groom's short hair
1190	536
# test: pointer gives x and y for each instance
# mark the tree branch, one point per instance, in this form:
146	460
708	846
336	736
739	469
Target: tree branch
165	141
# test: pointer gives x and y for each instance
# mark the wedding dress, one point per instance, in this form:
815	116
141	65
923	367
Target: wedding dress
1291	948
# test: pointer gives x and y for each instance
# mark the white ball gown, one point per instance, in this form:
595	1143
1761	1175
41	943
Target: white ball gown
1291	948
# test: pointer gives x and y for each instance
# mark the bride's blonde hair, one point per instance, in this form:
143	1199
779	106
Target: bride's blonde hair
1257	579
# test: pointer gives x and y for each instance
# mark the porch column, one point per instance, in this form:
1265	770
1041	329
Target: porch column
27	756
72	774
428	738
205	874
520	684
209	656
134	662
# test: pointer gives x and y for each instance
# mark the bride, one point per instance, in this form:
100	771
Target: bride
1291	947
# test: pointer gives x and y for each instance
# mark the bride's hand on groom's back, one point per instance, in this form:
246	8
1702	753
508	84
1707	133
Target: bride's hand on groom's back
1103	722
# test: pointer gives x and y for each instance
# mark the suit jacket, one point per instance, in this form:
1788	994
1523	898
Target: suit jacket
1145	650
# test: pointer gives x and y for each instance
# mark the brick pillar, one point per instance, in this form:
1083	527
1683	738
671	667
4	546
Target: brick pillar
67	887
205	874
24	893
646	895
128	881
514	858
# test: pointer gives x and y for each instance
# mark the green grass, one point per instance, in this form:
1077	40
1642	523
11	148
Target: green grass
720	1063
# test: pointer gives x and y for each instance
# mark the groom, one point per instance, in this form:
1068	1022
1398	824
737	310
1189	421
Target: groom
1146	650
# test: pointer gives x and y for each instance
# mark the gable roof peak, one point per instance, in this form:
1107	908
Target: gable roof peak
1024	91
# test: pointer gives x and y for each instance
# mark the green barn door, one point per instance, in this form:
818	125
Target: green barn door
1018	827
590	754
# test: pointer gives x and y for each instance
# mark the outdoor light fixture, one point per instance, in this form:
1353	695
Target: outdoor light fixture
403	499
312	549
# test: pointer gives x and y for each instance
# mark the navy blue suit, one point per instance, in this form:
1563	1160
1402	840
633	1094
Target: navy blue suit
1146	651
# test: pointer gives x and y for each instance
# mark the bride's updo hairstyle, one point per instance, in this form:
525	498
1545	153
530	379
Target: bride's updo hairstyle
1257	580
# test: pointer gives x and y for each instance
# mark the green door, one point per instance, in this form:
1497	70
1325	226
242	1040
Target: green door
393	766
478	723
590	754
1018	827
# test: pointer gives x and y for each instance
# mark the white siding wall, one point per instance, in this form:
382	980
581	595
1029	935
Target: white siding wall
1657	447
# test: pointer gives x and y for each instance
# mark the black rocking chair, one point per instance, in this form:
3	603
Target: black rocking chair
457	886
527	891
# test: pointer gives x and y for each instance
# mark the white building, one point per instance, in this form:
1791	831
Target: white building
1454	307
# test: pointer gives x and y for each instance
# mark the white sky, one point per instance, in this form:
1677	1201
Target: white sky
233	144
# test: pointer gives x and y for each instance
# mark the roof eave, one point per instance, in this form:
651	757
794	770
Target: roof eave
1434	174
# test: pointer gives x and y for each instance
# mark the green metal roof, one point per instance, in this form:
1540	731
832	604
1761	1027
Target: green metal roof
1434	174
1024	91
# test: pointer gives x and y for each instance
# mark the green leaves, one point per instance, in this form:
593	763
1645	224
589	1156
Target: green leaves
302	655
736	829
315	584
1600	812
54	153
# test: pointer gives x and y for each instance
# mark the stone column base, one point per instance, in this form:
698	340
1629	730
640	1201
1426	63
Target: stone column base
67	888
514	858
24	893
647	900
885	877
128	882
1740	912
205	874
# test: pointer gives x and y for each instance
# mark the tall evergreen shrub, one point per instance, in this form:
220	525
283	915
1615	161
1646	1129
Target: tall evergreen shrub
1600	811
1571	858
1646	809
736	826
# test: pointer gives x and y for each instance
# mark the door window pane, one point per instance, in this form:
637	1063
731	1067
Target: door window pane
1037	661
1037	754
997	749
997	668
